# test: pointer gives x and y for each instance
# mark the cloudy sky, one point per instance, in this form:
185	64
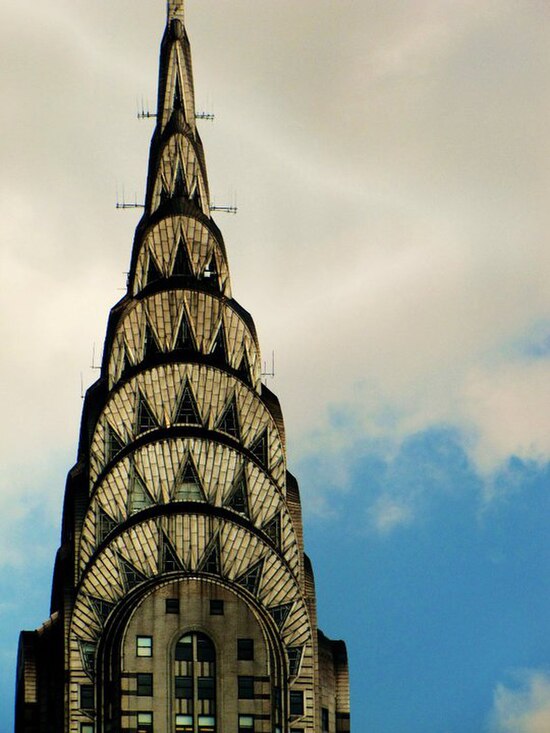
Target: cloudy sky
391	164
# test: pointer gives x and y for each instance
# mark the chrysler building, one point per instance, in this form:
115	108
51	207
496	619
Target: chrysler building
182	600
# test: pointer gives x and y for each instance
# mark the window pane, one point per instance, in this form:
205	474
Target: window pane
324	720
87	697
172	605
86	728
184	688
145	723
145	684
246	688
184	724
297	703
245	648
206	723
205	688
216	608
205	650
144	646
246	723
184	649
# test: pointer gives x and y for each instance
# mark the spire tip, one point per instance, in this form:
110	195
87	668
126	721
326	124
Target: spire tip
176	10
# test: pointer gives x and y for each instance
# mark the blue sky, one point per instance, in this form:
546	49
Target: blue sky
391	167
442	607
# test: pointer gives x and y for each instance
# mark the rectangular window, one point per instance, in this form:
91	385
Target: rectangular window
145	723
144	646
145	685
86	728
184	649
245	648
296	702
324	720
88	654
172	605
205	650
184	724
207	724
87	697
206	689
246	723
246	688
216	608
184	688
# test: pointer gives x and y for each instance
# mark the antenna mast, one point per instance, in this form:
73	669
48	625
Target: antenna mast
176	10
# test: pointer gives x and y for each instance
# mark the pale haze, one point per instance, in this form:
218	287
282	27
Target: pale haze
390	161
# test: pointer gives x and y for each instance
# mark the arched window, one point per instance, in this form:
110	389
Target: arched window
195	684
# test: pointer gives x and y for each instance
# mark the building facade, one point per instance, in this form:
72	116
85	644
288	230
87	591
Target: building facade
182	599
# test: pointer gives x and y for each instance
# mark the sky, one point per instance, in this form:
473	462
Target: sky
391	165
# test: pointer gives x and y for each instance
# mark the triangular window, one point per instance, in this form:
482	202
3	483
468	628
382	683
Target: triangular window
182	265
180	185
150	344
170	562
229	421
178	100
238	501
294	659
251	579
259	449
138	496
281	613
210	274
113	443
187	486
187	412
132	575
184	338
219	349
153	270
211	559
126	365
87	653
244	369
105	525
273	530
196	198
145	418
101	608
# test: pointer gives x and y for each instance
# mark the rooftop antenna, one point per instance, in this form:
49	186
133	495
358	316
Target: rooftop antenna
226	208
81	386
204	115
271	373
93	365
143	112
125	205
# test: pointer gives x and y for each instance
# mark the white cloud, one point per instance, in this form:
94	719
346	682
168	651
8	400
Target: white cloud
388	513
509	406
524	708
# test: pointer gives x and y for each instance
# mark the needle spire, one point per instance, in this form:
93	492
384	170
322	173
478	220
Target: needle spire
176	10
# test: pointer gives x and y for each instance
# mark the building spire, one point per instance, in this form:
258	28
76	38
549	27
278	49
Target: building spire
180	495
176	10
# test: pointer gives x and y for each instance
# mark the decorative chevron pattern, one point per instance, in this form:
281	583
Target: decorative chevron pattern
178	320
